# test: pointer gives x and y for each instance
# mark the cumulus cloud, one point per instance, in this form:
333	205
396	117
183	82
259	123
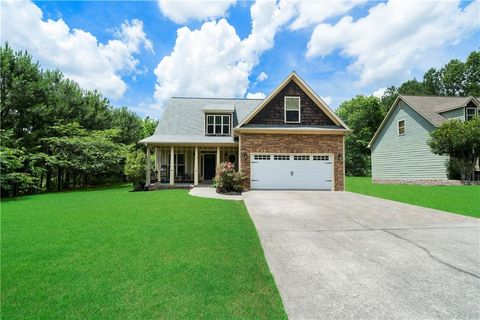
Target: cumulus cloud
75	52
393	37
314	12
256	95
213	60
183	10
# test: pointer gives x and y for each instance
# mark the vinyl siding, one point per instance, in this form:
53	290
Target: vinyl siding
455	114
407	156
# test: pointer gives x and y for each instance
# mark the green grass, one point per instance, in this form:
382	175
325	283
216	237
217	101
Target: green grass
463	200
122	255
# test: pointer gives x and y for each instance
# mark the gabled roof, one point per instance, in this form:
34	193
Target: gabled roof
429	107
309	91
182	119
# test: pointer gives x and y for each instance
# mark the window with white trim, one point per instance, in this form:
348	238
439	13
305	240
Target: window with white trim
401	127
292	109
470	113
178	165
217	124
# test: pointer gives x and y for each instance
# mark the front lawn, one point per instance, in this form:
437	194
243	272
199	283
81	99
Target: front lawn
463	200
114	254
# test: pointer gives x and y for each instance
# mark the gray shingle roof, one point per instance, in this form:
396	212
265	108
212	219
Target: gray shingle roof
430	107
182	120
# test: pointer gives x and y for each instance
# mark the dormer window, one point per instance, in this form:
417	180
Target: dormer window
217	124
292	109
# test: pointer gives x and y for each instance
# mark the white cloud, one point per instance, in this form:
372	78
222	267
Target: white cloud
261	77
204	63
388	42
328	100
314	12
180	11
256	95
213	60
75	52
379	92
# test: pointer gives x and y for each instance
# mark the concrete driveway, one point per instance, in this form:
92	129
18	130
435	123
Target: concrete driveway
343	255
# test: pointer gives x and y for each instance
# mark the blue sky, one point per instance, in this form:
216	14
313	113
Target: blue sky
141	53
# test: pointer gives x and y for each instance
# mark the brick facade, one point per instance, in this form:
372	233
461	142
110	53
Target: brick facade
293	143
273	112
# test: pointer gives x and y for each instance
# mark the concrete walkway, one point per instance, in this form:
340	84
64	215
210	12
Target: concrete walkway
340	255
209	192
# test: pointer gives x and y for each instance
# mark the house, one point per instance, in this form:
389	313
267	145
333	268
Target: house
289	140
400	153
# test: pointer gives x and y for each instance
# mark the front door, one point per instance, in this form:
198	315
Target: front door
209	161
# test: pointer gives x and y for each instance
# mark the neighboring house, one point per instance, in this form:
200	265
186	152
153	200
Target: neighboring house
400	152
289	140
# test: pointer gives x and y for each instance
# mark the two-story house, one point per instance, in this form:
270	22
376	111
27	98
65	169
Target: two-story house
400	153
289	140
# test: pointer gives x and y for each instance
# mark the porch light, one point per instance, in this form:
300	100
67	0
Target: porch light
340	157
244	156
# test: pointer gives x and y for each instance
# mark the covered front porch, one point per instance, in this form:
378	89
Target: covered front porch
191	164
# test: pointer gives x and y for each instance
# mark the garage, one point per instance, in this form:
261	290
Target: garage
292	171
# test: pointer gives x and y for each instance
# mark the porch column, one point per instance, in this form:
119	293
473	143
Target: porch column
218	157
147	177
158	163
172	166
195	168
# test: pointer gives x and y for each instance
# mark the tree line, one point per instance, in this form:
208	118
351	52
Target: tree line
54	135
363	114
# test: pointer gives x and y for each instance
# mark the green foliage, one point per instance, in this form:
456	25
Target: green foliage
456	78
135	169
363	115
461	141
227	180
64	135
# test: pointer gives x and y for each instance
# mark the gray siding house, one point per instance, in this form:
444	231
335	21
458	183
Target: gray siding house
400	153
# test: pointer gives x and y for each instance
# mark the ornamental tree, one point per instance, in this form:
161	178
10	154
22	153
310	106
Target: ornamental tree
461	141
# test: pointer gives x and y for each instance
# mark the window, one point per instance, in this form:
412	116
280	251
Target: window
470	113
281	157
261	157
401	127
218	125
320	158
292	109
179	164
301	157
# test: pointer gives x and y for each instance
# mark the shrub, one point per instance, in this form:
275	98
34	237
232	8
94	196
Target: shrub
135	169
227	180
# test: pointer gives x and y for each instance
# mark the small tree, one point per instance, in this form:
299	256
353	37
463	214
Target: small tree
461	141
135	169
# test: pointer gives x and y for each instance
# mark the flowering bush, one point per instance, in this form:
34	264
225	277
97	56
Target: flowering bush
227	180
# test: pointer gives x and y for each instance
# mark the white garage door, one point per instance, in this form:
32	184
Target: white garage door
291	171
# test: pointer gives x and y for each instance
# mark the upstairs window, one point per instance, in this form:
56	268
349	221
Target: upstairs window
401	127
292	109
470	113
217	125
